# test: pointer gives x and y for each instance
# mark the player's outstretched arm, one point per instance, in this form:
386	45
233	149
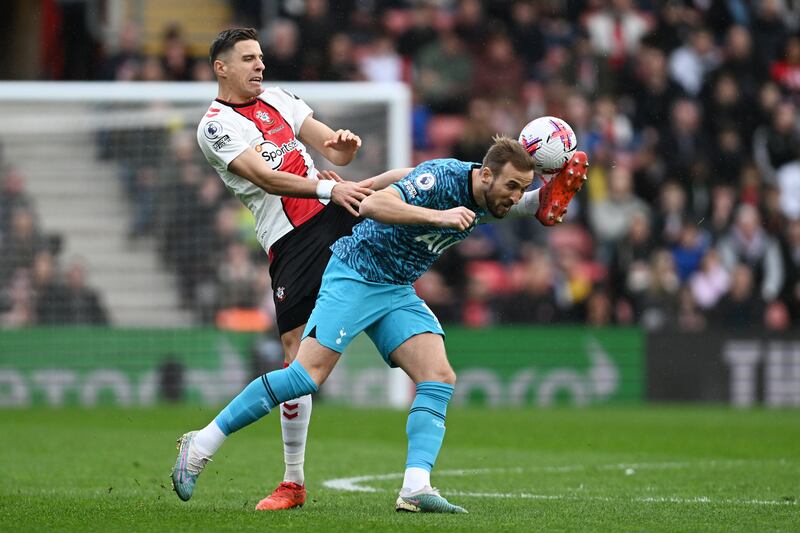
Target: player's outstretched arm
376	183
339	147
250	166
387	206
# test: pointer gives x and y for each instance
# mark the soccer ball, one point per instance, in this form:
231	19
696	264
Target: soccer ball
551	143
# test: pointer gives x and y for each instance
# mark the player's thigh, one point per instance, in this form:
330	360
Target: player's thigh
424	358
317	359
346	305
407	333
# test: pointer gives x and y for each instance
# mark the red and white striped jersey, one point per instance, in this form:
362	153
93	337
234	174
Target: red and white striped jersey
270	124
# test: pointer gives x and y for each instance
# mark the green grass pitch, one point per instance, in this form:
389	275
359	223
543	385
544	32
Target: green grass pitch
598	469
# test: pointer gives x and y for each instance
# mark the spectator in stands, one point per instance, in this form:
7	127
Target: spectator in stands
791	264
340	65
498	74
47	291
77	303
741	62
741	307
786	72
237	277
657	306
16	306
689	64
477	133
421	32
615	31
611	216
381	62
710	282
125	64
12	197
144	208
769	30
653	90
778	143
175	55
689	318
630	258
748	244
315	28
527	33
685	141
444	73
688	252
20	245
282	52
535	301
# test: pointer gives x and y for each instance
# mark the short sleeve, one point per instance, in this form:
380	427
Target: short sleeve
221	142
425	186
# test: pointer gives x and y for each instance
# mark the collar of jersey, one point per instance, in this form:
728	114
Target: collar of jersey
245	104
475	207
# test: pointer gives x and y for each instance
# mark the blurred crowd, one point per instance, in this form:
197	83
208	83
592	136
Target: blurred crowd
688	110
36	286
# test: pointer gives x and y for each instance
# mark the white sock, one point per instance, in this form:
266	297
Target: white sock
209	439
295	416
415	479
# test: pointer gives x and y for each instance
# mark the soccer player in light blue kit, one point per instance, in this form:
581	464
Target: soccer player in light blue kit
367	287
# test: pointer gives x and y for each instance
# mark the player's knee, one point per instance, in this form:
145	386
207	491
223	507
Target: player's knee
446	375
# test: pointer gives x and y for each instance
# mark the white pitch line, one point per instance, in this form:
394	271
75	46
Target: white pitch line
356	484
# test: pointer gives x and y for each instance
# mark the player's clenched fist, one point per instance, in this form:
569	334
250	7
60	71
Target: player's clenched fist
349	194
459	218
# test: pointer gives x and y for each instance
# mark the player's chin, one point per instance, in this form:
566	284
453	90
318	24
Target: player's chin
500	211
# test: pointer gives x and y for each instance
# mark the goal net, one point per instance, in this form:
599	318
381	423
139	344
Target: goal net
109	215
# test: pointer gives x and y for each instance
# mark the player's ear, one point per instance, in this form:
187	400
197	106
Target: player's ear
219	68
486	175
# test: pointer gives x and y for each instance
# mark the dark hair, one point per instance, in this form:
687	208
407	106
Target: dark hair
227	39
507	150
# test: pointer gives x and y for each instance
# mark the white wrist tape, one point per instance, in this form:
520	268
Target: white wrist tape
324	188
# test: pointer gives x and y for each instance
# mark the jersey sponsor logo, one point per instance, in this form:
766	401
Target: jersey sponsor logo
212	130
273	131
409	187
437	242
273	154
222	141
425	181
264	117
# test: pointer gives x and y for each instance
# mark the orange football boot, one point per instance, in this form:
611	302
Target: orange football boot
287	496
557	193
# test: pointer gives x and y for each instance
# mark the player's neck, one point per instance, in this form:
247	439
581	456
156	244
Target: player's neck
232	97
477	187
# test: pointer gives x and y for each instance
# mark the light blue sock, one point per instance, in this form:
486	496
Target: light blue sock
263	394
425	427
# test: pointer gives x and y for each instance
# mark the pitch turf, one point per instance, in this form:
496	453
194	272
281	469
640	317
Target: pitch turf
623	469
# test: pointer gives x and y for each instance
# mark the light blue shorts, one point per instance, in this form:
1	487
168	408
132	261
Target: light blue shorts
348	304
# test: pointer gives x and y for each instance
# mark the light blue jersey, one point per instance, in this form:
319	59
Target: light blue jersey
400	254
